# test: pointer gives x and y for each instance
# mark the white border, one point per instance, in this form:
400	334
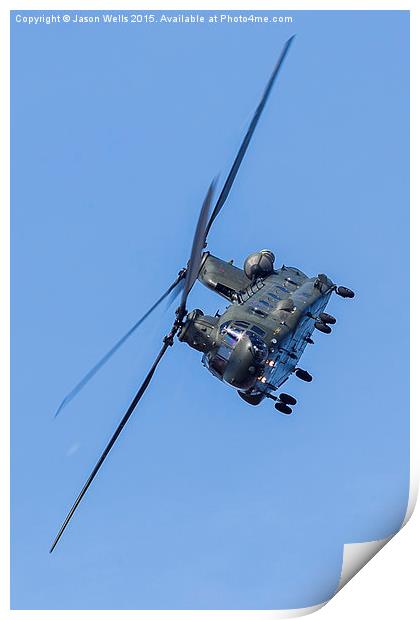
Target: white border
385	607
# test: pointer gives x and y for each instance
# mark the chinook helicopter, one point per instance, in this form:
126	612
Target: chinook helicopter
255	345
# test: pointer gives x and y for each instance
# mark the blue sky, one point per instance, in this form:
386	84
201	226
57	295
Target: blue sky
205	502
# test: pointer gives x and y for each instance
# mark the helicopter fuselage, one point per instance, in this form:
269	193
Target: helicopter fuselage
256	343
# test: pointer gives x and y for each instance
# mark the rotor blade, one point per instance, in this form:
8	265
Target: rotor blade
111	442
194	263
242	150
174	294
89	375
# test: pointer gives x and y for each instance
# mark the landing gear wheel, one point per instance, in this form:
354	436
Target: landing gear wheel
342	291
287	399
322	327
327	318
303	375
283	408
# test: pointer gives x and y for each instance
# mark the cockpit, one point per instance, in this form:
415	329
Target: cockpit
238	357
218	360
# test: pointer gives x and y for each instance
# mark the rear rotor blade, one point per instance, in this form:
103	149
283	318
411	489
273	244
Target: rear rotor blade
92	372
199	240
141	391
243	148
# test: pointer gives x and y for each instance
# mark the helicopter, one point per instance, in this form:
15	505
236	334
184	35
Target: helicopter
255	345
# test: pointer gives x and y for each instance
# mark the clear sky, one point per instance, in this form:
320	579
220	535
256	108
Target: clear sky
205	502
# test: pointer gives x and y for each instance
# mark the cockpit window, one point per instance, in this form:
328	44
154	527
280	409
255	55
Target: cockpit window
217	360
231	334
260	349
218	364
225	351
230	338
241	324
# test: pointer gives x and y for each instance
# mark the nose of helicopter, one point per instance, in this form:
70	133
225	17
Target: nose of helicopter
242	369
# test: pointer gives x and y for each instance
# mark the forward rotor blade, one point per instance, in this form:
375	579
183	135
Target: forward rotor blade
111	442
199	240
242	150
89	375
174	294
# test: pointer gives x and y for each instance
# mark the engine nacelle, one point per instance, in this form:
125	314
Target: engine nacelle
221	276
259	264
